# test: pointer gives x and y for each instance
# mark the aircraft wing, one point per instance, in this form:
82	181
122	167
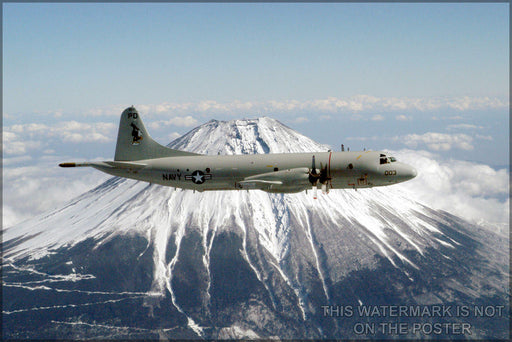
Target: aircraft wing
291	180
258	184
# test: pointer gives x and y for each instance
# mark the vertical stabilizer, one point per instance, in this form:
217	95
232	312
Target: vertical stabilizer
134	142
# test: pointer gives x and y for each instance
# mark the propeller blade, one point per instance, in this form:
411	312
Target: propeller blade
313	174
314	192
323	177
324	188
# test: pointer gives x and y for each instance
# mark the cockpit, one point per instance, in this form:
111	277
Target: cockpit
386	160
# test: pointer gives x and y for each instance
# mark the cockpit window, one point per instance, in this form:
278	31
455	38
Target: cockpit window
383	159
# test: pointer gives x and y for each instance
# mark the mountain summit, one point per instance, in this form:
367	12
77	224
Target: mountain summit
249	136
135	260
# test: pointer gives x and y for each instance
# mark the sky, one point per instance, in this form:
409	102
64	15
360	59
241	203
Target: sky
431	78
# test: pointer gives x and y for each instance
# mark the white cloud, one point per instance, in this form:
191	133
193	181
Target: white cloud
173	136
114	110
438	141
473	191
402	117
10	216
331	105
75	137
463	126
28	191
22	138
374	138
475	103
28	128
178	121
453	117
8	137
16	160
377	117
12	144
484	137
301	119
186	121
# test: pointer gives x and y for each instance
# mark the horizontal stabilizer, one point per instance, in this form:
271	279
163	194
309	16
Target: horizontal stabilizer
107	164
125	165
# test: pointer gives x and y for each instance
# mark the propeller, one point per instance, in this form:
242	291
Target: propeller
319	176
313	176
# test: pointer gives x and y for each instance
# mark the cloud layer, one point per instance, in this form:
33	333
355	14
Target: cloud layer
187	121
473	191
21	138
35	189
439	141
353	104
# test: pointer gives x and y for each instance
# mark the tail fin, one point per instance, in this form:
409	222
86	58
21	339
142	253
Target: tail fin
134	142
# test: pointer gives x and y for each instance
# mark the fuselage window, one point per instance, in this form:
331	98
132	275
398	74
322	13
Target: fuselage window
392	159
383	160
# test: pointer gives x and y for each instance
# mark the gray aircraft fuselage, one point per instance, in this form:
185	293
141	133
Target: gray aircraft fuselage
346	170
140	157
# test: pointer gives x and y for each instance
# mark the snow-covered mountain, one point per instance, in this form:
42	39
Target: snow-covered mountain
134	260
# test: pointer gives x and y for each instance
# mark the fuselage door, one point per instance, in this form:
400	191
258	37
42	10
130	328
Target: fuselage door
363	180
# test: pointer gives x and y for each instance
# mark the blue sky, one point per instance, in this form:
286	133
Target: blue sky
424	77
74	56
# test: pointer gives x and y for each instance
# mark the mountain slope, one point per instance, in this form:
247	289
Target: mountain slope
130	259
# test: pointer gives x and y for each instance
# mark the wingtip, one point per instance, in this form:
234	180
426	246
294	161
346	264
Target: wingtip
67	164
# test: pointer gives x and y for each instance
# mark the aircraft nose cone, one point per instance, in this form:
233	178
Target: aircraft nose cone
405	172
414	173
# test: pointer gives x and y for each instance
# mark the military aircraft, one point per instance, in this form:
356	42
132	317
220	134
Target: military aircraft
140	157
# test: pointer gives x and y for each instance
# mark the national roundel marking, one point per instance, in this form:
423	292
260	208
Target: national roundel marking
198	177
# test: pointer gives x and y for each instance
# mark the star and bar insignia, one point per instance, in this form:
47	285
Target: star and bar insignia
198	177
